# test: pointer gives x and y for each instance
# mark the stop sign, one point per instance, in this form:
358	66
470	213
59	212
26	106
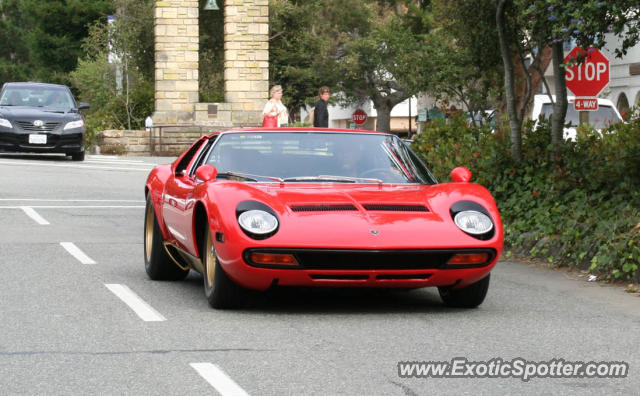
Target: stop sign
359	117
589	77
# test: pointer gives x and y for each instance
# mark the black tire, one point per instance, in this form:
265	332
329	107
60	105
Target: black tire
220	290
157	262
79	156
468	297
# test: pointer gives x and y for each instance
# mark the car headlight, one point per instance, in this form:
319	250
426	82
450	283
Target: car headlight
5	123
473	222
258	222
74	124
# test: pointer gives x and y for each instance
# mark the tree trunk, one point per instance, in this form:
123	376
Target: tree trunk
515	123
384	105
560	104
384	117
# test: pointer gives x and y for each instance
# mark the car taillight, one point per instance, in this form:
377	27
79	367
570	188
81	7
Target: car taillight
469	259
273	259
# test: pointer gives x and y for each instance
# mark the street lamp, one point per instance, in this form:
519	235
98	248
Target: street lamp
211	6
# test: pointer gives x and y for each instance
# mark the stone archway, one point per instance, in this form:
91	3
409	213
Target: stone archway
246	64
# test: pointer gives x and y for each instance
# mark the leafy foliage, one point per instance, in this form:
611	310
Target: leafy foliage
114	75
42	38
578	207
211	56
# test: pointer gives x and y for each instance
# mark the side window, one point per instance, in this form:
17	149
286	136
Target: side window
186	160
202	156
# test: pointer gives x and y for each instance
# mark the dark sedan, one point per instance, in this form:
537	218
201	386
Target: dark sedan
41	118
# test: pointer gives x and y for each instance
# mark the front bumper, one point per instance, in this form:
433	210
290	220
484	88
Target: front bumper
359	268
57	142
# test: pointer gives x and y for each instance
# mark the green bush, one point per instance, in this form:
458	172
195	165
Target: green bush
576	206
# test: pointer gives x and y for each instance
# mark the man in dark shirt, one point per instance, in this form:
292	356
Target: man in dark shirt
321	114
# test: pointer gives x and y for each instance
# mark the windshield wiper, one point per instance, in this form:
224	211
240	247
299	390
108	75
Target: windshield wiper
332	178
248	176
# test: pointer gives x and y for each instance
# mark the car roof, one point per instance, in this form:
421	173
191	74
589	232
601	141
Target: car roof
32	83
301	129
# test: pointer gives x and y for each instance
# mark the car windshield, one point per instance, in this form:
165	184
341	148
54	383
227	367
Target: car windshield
600	119
307	156
54	98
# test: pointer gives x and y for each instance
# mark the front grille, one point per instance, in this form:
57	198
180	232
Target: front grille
323	208
396	208
28	126
364	259
343	259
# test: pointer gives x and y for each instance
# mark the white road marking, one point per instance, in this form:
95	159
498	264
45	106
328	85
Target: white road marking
218	379
77	253
34	215
102	156
117	162
22	163
75	207
138	305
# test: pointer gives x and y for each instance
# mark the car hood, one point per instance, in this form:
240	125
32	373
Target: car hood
358	216
35	113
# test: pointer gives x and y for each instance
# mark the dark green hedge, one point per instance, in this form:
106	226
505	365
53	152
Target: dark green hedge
577	206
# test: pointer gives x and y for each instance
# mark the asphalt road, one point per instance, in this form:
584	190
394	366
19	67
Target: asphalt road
79	316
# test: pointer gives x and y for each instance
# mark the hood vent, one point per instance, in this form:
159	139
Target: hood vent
396	208
323	208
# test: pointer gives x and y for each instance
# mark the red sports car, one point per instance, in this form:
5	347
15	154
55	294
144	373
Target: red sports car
257	208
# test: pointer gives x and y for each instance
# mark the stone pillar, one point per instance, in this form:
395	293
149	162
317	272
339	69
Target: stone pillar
176	59
246	58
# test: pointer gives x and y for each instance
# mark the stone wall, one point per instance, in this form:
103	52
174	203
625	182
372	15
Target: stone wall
163	141
246	64
246	58
177	39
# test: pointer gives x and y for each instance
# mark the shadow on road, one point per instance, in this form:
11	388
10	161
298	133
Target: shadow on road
318	300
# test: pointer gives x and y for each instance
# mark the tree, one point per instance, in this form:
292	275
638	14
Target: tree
463	53
553	22
49	33
14	54
376	53
364	48
386	66
211	56
115	74
299	51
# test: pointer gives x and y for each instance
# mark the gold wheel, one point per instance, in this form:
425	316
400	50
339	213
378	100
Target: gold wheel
211	263
148	232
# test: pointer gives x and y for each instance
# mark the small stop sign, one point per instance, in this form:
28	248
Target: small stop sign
589	77
359	117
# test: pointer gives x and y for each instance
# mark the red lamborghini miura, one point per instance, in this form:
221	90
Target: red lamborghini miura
256	208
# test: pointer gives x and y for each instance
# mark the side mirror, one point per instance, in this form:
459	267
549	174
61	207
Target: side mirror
83	106
206	172
461	175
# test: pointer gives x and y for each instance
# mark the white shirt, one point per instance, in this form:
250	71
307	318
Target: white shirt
274	108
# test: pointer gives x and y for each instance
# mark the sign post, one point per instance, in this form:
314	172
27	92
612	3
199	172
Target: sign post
587	79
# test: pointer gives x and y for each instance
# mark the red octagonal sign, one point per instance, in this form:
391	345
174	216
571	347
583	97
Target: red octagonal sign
589	77
359	117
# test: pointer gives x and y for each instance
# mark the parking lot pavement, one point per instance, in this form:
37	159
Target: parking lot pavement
80	316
